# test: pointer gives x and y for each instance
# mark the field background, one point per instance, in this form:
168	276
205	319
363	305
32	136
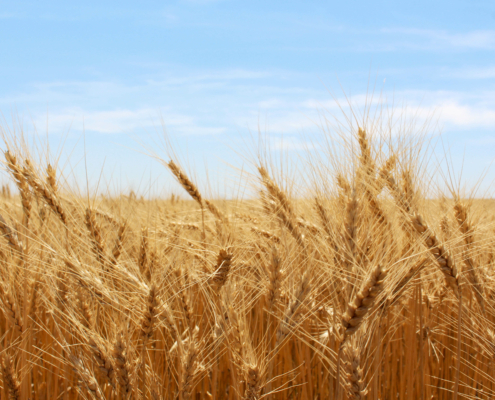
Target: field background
370	282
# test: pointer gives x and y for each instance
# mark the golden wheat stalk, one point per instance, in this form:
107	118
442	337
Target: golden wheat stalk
185	182
21	182
10	378
45	193
363	301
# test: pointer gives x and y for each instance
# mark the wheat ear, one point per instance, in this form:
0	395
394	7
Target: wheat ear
186	183
149	315
189	368
216	212
325	219
96	236
143	254
363	302
276	276
355	384
119	242
276	192
51	178
365	159
11	312
21	183
284	210
122	367
45	193
10	379
88	380
222	268
266	234
350	228
291	314
253	385
86	313
11	236
103	361
443	258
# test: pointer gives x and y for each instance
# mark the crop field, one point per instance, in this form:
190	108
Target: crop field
371	282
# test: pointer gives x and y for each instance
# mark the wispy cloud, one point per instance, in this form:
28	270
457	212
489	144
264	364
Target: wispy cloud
232	101
440	39
472	73
123	121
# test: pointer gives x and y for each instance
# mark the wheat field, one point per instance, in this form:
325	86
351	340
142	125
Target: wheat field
363	285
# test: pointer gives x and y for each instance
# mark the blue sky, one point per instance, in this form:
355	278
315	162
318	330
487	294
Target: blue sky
212	72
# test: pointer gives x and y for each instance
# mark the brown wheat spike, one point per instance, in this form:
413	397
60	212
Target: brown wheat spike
189	369
398	194
253	387
363	302
444	226
325	219
43	192
343	184
51	178
88	381
461	214
21	183
222	268
122	367
291	314
266	234
355	384
166	315
376	207
366	160
149	314
86	313
351	226
103	362
408	186
276	275
10	379
247	218
443	258
187	226
216	212
96	236
267	203
10	235
143	252
11	312
106	216
276	192
185	182
62	291
119	242
287	222
301	222
385	171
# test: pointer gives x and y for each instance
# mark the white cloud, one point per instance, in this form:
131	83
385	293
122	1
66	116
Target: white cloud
123	121
460	115
473	73
232	101
439	39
